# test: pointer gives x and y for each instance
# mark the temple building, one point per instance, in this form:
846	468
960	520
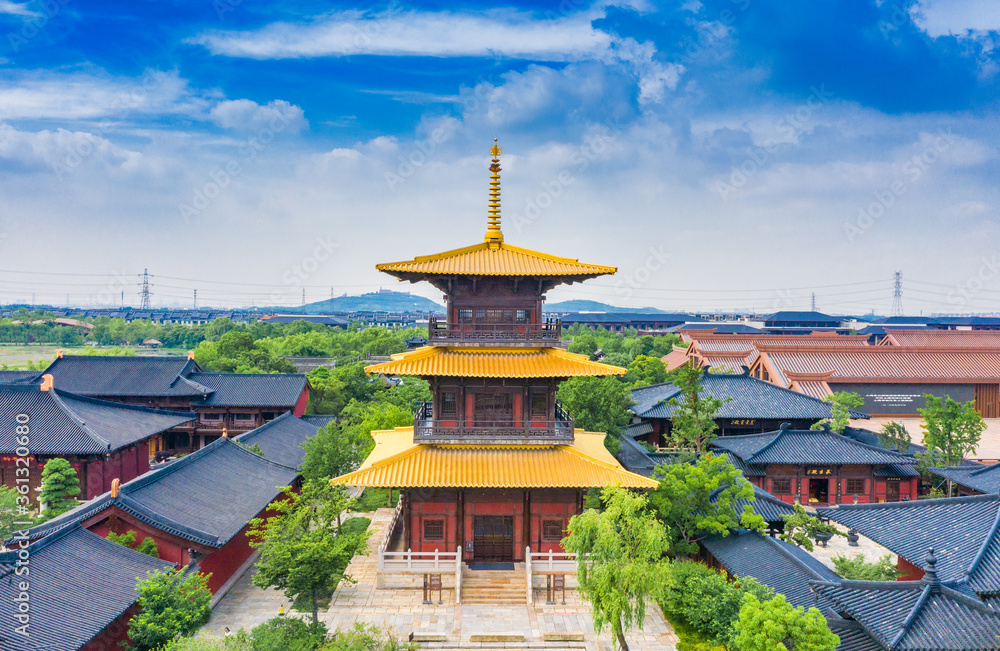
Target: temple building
492	464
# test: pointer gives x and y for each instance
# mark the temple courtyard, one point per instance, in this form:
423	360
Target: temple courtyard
466	625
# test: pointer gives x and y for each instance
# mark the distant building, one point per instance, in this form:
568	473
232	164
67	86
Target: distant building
318	319
232	402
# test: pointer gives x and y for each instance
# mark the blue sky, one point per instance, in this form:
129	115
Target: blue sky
724	154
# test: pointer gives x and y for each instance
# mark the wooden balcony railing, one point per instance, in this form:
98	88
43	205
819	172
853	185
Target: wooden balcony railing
231	424
428	430
442	332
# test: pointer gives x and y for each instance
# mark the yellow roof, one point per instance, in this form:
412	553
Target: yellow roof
492	362
398	462
494	259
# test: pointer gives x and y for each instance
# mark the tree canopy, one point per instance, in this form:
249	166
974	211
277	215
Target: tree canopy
841	404
597	404
171	603
60	485
302	547
620	554
682	502
693	422
950	427
776	625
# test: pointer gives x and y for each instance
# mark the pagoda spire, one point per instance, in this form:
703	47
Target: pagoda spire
494	236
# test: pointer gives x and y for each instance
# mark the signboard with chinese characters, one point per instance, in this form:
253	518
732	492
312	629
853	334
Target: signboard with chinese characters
902	399
819	471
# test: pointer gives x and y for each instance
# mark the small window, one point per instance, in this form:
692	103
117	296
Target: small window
781	486
449	405
523	316
539	405
243	416
854	486
465	316
433	529
552	530
211	416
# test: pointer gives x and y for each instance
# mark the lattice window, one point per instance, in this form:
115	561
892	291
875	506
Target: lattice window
552	530
433	529
781	486
854	486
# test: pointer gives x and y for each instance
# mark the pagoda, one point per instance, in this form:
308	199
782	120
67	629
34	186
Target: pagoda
492	464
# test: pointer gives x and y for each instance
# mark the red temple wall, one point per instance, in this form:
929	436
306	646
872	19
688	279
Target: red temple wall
910	571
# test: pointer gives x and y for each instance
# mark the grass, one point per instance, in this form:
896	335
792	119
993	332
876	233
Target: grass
15	355
375	498
303	603
690	639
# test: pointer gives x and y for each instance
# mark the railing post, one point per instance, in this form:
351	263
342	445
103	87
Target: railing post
436	558
409	558
458	574
550	560
527	567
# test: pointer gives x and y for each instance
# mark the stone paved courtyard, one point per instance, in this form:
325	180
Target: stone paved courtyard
404	611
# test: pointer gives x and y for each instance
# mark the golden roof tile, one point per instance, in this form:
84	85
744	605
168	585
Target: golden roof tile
492	362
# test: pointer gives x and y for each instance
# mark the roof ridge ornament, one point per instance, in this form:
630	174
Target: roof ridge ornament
494	236
930	572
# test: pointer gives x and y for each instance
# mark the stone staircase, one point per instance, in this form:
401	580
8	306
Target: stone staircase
493	587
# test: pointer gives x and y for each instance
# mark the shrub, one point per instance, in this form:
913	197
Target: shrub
855	568
287	634
367	637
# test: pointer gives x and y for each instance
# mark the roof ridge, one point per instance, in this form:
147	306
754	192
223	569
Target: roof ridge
987	541
82	424
225	374
155	475
789	555
246	450
109	403
925	594
127	503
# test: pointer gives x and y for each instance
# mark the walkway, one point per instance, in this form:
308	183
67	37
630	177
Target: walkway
404	611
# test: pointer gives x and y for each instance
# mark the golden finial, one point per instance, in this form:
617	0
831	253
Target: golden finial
493	233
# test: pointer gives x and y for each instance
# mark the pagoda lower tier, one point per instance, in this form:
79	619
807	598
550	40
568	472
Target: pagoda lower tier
490	501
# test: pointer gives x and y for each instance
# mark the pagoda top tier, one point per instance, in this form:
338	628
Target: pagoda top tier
493	256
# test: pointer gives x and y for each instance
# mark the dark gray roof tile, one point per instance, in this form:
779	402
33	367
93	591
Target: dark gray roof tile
251	389
282	439
806	447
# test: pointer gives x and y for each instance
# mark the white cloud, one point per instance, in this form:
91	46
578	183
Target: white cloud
16	9
246	114
944	17
81	96
396	33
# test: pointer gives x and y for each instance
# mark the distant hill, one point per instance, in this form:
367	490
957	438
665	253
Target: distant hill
383	301
595	306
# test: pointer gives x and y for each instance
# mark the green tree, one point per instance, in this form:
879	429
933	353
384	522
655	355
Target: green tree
597	404
302	549
800	527
693	422
893	436
369	638
148	547
706	600
126	539
951	427
682	502
776	625
287	634
336	450
59	484
856	568
8	512
620	555
645	370
172	603
841	404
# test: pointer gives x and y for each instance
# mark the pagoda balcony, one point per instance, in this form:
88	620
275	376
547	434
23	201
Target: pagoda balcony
513	432
442	333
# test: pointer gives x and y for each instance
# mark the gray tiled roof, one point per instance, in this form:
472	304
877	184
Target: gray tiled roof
852	636
915	615
251	389
20	377
63	423
281	439
749	398
962	530
80	583
785	568
764	504
985	479
98	375
206	497
806	447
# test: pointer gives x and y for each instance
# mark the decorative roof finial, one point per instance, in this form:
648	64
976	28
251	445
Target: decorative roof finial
493	234
930	573
115	487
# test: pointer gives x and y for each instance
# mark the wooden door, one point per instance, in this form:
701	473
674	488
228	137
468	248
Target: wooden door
892	490
494	408
493	538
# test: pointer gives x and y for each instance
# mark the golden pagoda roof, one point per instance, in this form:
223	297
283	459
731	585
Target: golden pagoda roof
492	362
398	462
495	259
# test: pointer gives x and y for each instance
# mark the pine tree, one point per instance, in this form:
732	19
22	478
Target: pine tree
60	484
